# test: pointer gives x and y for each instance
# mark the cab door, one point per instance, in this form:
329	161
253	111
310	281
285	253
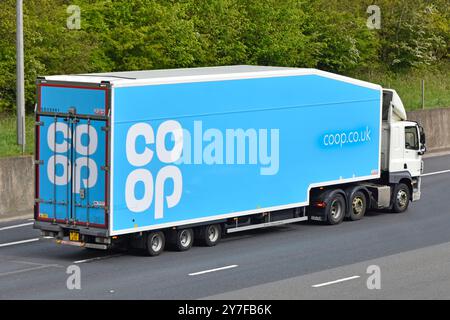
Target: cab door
412	159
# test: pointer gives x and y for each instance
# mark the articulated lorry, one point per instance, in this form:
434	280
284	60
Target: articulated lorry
150	158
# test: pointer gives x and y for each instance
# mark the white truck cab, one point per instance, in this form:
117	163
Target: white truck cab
403	144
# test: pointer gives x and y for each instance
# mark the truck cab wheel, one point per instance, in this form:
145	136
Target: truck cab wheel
155	243
184	238
210	235
401	198
335	209
358	206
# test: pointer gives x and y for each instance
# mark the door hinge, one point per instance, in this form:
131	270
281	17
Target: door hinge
39	123
105	168
106	129
38	200
39	162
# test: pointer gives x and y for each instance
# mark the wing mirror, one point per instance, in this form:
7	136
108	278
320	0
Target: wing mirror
423	147
422	135
422	150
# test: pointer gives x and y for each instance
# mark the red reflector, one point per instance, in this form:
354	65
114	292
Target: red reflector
320	204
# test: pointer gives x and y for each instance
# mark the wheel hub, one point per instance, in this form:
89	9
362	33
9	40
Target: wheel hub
156	243
357	205
402	198
336	209
185	238
212	234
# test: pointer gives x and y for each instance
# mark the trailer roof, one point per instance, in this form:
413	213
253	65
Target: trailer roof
166	76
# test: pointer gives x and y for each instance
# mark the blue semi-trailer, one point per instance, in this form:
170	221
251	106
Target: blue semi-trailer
168	156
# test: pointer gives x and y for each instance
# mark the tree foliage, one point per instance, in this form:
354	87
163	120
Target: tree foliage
152	34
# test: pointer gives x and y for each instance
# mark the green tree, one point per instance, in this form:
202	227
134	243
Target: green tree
143	34
414	33
118	35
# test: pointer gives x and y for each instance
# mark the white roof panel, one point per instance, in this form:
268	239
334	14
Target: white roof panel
167	76
165	73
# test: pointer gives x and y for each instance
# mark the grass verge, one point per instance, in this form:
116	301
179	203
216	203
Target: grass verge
8	136
409	85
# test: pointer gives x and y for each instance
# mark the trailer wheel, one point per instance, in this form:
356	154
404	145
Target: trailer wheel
335	209
155	243
184	238
358	206
210	235
401	198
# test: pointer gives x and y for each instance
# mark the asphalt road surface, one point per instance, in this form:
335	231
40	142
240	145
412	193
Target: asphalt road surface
399	256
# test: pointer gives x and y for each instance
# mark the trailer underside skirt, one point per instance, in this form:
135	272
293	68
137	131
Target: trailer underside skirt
266	224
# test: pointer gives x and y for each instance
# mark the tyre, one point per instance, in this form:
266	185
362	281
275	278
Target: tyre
335	209
400	198
358	206
155	243
184	238
210	235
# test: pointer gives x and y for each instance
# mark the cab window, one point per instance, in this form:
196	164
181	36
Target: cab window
411	138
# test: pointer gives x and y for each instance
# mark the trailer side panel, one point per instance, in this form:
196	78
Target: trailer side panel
193	152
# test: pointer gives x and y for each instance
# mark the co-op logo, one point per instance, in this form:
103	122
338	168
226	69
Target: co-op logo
259	148
154	187
60	159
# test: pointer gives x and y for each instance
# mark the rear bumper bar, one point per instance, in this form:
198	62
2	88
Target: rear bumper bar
83	244
60	228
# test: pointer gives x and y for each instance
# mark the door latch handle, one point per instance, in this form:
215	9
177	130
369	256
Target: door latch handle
82	193
405	166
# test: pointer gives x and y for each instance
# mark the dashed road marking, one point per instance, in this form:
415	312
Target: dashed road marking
435	173
17	242
97	258
16	226
213	270
335	281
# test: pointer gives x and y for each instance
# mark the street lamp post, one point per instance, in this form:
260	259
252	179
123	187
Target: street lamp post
20	76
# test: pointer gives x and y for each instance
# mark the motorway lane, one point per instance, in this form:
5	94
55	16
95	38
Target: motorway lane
433	164
17	233
416	274
263	257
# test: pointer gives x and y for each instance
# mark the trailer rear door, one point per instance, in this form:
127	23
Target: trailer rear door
71	153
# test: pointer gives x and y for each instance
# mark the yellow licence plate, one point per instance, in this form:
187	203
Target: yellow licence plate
74	236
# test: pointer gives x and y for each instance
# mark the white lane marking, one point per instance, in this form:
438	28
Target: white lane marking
213	270
335	281
30	263
28	269
16	226
96	258
18	242
435	173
